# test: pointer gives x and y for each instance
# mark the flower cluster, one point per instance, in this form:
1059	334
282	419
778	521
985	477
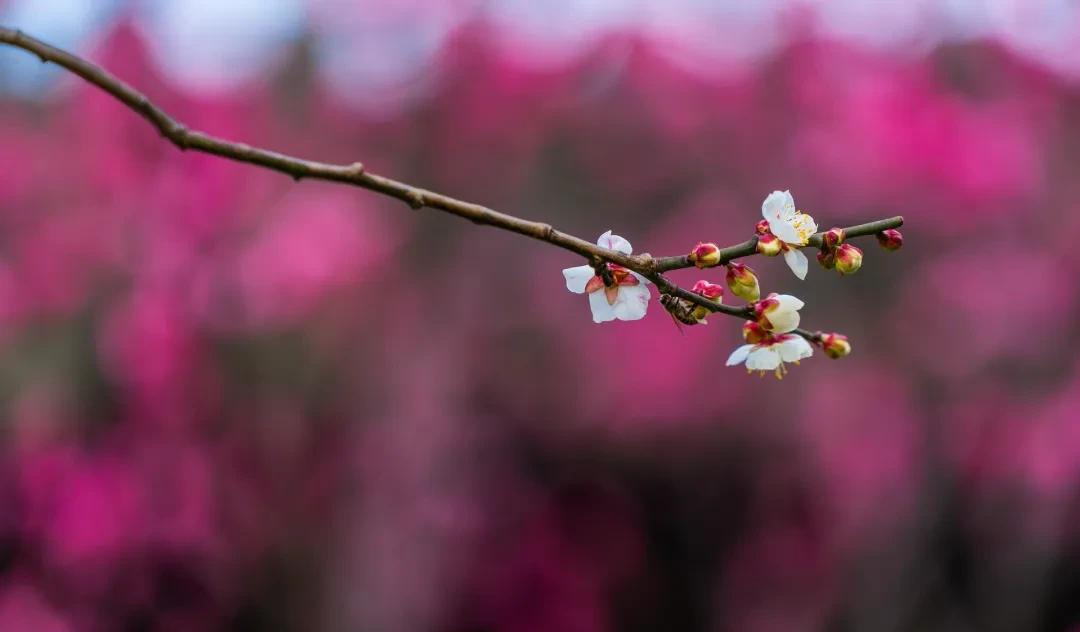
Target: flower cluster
771	332
766	350
836	255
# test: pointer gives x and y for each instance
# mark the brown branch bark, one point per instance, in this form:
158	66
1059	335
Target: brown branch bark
416	197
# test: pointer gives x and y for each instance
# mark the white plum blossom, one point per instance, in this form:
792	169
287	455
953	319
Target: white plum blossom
627	299
778	313
771	352
791	226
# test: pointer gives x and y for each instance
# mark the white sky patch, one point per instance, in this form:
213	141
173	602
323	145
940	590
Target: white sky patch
1047	30
556	32
216	45
697	34
380	55
63	23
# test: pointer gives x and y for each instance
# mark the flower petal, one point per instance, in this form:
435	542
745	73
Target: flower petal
763	359
643	280
796	260
779	205
614	242
601	311
577	278
795	348
788	302
738	356
632	303
783	321
785	231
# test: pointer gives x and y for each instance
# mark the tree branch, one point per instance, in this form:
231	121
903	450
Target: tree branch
417	198
749	247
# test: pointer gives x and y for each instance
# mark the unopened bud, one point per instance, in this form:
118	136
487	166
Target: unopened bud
743	282
832	238
890	239
848	259
769	245
705	255
753	333
711	291
835	345
827	259
762	227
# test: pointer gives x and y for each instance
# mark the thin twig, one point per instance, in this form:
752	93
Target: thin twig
749	247
417	198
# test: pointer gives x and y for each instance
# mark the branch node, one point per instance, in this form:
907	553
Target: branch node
415	199
356	169
178	134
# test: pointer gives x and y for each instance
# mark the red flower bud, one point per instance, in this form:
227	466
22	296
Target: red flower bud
769	245
705	255
835	345
711	291
827	259
832	238
890	239
848	259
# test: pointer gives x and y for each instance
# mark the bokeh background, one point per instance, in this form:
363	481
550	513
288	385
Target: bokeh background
231	401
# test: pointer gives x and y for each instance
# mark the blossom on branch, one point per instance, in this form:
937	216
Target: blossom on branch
625	293
766	351
794	228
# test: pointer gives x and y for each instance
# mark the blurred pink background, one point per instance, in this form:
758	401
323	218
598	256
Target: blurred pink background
234	402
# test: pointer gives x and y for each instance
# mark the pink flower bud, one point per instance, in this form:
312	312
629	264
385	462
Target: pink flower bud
835	345
890	239
769	245
762	227
754	333
832	238
705	255
827	259
743	282
848	259
711	291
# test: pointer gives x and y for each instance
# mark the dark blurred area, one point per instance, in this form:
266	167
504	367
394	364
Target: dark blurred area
235	402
